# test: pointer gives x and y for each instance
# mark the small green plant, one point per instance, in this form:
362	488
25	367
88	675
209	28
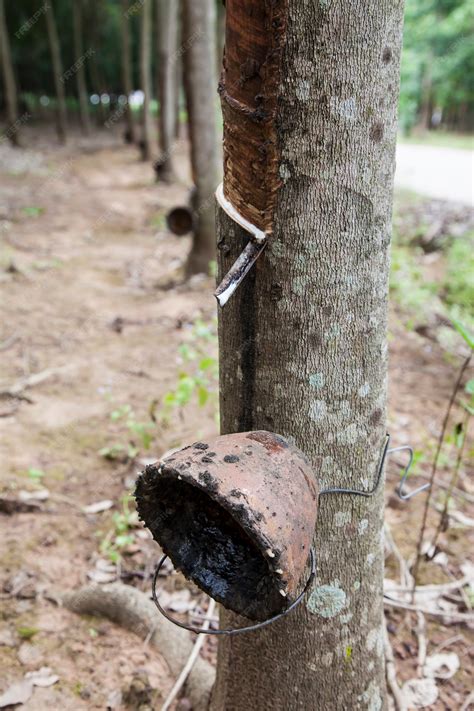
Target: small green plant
32	211
412	292
142	435
459	282
26	633
158	221
121	534
197	380
199	376
36	474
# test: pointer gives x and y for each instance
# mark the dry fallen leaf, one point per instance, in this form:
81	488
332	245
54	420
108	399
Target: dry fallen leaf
420	693
442	666
179	601
99	577
20	692
17	693
104	572
38	495
98	507
43	677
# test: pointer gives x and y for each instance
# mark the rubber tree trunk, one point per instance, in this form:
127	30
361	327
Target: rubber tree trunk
55	49
199	70
145	78
11	95
167	34
127	72
303	349
81	72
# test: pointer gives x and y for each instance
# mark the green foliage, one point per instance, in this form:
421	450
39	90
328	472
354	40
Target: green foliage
197	381
460	271
32	211
199	378
36	474
436	70
437	61
120	535
408	285
141	435
26	633
462	330
424	302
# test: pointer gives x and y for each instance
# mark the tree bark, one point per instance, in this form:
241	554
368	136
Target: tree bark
57	71
81	73
11	94
303	348
199	64
127	72
167	34
145	76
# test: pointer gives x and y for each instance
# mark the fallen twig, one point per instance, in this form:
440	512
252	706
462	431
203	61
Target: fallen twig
422	644
444	518
192	659
391	673
434	467
462	616
17	389
469	701
448	643
429	589
8	342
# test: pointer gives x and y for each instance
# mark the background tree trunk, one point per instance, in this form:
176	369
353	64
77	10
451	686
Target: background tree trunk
11	95
199	64
167	34
178	77
303	348
81	73
220	34
57	71
127	72
145	76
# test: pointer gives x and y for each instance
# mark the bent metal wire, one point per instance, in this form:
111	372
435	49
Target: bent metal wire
402	493
236	630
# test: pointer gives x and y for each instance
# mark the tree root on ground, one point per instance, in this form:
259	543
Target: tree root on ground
133	610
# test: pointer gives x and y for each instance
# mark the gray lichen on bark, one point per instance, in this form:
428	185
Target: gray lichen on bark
303	349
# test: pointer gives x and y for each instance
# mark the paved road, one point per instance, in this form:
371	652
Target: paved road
444	173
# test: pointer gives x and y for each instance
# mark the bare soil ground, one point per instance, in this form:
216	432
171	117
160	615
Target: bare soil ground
84	249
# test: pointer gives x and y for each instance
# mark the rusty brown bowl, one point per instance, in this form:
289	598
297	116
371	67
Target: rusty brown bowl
236	514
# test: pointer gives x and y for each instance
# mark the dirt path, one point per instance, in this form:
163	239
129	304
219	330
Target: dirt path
83	246
442	173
